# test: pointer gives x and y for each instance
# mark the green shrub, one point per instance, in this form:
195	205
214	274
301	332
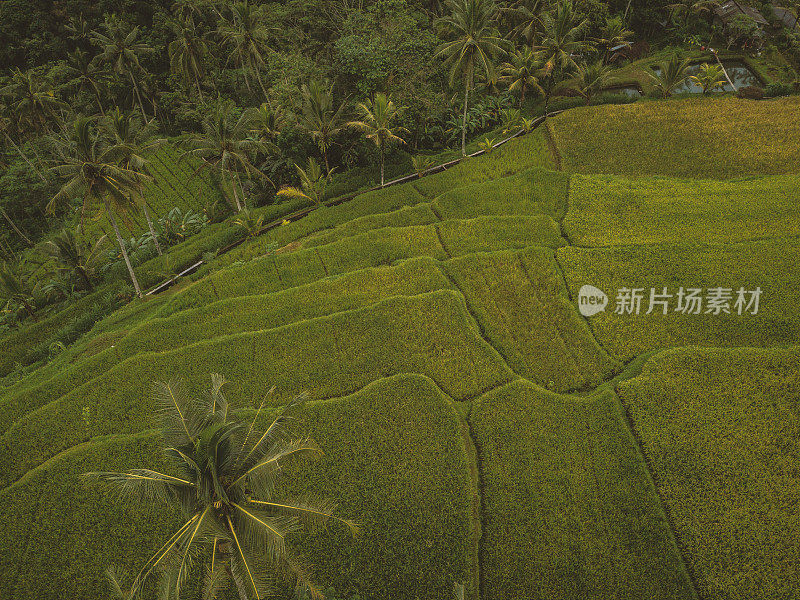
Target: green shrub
609	211
569	508
521	303
720	429
772	265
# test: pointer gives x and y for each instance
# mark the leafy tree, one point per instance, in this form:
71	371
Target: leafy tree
225	485
475	44
562	40
672	74
246	35
709	78
520	73
591	80
226	146
612	35
74	254
91	172
32	98
130	140
120	50
187	53
312	183
320	117
377	123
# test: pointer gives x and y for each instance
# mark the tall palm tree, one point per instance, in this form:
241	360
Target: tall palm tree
246	35
377	118
225	482
672	74
83	73
320	117
5	126
32	98
73	254
592	79
527	14
520	73
187	52
475	44
92	173
226	146
130	140
120	50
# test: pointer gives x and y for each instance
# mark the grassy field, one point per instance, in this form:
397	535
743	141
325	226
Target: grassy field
570	511
695	137
611	211
721	430
434	326
773	266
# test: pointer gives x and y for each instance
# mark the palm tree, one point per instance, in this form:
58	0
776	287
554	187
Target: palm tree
687	8
312	183
320	118
476	43
84	74
612	34
226	146
592	79
17	287
528	16
377	117
520	73
561	42
5	125
709	78
671	74
120	50
130	141
187	52
247	36
31	97
73	254
225	482
93	174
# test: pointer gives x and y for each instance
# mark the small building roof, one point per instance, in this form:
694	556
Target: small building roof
727	11
787	17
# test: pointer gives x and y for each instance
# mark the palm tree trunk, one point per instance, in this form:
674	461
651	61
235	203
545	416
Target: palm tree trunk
382	181
199	90
138	95
99	101
25	158
24	237
464	121
152	229
235	195
121	245
261	82
83	275
29	310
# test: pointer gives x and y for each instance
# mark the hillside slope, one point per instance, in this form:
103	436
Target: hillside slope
478	427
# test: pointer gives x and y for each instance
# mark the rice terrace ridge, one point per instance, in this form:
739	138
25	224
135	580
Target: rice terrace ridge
476	300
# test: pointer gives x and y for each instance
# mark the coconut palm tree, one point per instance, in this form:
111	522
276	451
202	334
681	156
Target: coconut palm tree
225	145
687	8
120	50
672	74
83	73
130	140
520	73
320	117
224	484
475	44
562	41
612	34
5	126
312	183
246	35
709	78
377	119
187	52
32	98
92	173
527	14
592	79
17	285
73	254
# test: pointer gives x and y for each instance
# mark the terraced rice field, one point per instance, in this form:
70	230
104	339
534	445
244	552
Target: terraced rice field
473	421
